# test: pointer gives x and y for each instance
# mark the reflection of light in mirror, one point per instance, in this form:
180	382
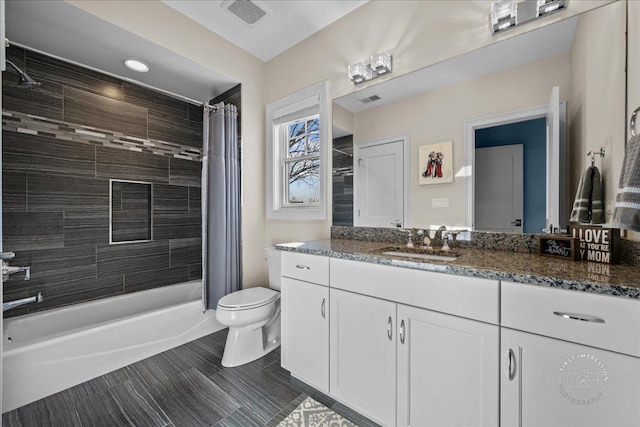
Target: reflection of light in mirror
464	172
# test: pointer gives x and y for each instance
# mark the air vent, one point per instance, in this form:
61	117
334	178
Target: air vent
370	99
245	10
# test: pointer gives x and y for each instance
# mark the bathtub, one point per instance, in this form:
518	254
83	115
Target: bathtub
44	353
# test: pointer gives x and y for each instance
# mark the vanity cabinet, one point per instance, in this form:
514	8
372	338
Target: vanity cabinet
448	370
363	354
305	318
409	366
568	358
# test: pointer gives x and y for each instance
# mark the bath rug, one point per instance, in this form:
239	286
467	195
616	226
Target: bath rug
311	413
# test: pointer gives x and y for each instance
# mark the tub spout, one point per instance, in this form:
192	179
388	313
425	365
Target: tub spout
17	303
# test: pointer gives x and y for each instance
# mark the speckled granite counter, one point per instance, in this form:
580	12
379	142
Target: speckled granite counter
615	280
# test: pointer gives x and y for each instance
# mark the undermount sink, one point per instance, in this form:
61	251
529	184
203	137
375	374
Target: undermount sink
417	253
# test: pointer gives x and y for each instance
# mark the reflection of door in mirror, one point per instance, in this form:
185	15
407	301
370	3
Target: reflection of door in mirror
531	134
499	192
379	183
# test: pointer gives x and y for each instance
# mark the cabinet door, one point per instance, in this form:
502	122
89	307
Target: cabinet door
305	332
448	370
549	382
363	354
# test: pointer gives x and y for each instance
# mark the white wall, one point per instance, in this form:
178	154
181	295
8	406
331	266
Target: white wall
166	27
439	116
596	104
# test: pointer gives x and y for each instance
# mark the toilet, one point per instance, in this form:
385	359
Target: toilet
253	317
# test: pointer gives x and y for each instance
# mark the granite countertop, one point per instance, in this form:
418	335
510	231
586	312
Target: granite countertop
618	280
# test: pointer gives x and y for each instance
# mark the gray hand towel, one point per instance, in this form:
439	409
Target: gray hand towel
626	213
581	205
597	198
588	206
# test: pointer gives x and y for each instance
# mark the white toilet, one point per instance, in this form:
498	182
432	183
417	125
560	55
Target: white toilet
253	317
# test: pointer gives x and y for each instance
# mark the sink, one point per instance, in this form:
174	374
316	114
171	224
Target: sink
417	253
430	257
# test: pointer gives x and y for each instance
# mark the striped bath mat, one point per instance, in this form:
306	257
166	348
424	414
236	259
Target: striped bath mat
311	413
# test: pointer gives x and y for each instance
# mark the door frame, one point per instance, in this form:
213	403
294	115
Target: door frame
470	127
406	182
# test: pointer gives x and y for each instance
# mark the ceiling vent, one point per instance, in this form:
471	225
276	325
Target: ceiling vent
245	10
370	99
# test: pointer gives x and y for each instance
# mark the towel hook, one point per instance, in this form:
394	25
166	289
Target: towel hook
632	123
593	155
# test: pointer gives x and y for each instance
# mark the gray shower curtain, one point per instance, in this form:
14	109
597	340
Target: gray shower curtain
221	231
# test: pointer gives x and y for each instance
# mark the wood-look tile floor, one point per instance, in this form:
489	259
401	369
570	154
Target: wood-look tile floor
182	387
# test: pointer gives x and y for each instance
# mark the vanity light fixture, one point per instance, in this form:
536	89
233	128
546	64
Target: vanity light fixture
546	7
380	64
136	65
506	14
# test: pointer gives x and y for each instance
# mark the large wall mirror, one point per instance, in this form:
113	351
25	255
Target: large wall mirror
484	102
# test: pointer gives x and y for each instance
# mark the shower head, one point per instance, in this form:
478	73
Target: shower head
25	82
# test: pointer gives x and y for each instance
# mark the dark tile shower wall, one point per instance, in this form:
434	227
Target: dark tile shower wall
56	183
343	181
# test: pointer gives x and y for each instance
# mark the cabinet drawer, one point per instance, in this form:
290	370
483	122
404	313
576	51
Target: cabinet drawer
606	322
309	268
469	297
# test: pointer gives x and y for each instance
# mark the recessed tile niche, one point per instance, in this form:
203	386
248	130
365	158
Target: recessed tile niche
131	219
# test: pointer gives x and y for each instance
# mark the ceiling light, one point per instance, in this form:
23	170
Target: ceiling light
504	14
136	65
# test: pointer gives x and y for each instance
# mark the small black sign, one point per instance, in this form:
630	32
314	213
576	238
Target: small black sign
558	246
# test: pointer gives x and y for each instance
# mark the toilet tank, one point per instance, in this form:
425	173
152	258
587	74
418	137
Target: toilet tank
272	256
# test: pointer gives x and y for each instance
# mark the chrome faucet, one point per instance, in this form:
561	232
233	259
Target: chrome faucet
8	270
18	302
439	235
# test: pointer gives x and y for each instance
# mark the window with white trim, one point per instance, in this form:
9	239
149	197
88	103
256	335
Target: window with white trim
297	151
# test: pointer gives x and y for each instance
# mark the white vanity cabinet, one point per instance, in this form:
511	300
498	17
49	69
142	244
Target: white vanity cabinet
305	318
448	370
363	354
569	358
401	364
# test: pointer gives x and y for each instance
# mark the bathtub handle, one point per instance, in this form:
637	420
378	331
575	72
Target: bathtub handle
322	311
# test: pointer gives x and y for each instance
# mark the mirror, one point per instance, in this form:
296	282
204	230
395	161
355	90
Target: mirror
583	56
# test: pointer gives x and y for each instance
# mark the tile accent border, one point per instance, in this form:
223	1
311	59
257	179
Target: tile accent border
13	121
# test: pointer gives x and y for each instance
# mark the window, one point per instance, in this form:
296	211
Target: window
297	149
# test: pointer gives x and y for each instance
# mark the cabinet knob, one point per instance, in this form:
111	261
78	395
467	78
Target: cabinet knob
389	327
402	331
303	267
322	310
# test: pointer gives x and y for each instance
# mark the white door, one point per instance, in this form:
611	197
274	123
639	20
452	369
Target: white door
447	370
305	332
363	354
499	188
549	382
379	184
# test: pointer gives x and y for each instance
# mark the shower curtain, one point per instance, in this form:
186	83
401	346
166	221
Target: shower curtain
221	243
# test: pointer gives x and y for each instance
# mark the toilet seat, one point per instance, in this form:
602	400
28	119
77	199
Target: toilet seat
246	299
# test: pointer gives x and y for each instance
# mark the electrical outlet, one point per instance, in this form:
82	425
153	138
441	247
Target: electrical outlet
439	203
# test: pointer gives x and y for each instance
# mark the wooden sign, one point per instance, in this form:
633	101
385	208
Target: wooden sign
558	246
597	244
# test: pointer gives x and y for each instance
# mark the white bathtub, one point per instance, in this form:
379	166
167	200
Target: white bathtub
44	353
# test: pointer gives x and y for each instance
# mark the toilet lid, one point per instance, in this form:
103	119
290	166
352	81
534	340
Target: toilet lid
248	298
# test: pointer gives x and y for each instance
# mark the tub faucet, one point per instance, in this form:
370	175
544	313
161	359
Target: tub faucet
8	269
18	302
